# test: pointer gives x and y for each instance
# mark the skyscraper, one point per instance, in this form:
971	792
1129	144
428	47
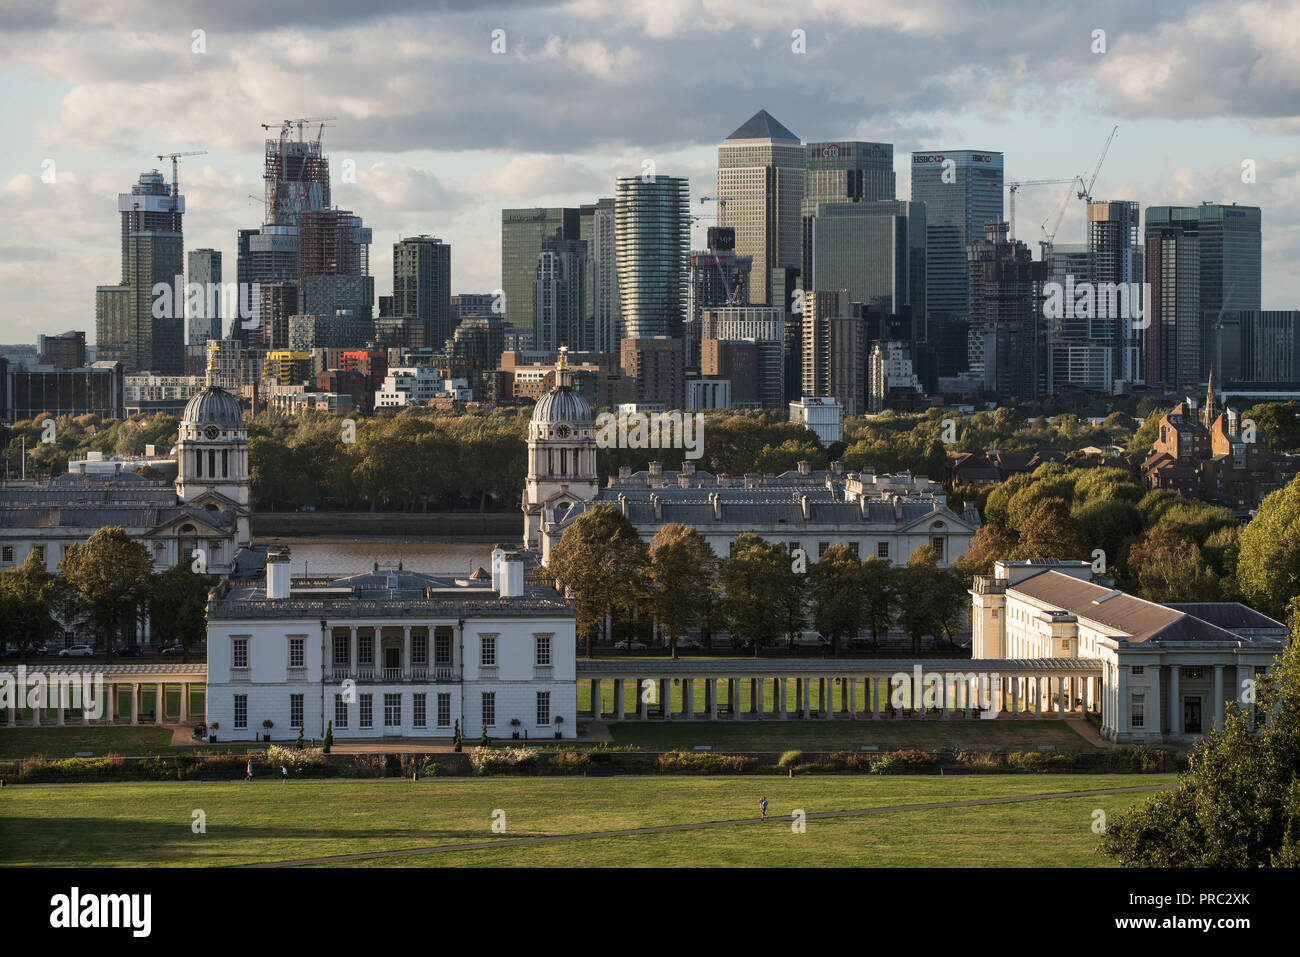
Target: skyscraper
1006	315
1115	256
761	169
834	360
297	177
962	190
204	314
522	232
1173	269
128	328
422	284
652	235
1228	271
560	297
334	265
604	311
851	172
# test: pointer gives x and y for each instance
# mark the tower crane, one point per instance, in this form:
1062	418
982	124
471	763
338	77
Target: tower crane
1014	188
1084	194
176	189
722	207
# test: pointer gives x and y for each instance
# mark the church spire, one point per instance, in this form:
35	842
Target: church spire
563	377
212	363
1210	415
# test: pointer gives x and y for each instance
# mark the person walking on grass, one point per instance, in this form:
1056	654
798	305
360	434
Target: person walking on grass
249	775
762	806
284	774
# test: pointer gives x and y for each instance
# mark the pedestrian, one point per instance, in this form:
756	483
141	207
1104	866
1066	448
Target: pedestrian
284	773
762	806
1191	762
249	775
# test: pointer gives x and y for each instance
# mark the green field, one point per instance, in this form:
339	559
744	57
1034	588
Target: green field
65	742
147	824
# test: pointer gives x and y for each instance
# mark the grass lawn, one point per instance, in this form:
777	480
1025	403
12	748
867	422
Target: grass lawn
139	741
149	823
842	734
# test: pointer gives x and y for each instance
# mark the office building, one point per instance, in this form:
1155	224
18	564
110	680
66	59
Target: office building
655	370
522	232
203	311
851	172
1006	323
64	351
334	265
604	308
962	190
560	296
833	354
422	284
761	171
891	378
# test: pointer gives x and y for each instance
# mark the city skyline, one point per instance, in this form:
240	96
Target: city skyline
616	81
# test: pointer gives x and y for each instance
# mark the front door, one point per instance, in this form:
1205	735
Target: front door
1191	715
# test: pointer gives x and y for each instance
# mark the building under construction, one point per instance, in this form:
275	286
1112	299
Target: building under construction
297	176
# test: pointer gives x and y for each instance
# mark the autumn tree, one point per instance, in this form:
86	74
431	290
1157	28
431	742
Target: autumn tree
108	577
837	595
1268	566
1167	566
752	605
682	572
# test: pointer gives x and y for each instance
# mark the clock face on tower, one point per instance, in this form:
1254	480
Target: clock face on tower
212	431
562	430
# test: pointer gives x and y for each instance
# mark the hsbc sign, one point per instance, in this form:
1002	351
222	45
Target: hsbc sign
919	158
928	158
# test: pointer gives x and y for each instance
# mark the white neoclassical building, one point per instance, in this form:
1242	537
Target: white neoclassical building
392	654
1166	671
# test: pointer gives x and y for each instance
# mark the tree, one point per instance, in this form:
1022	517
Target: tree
109	579
1169	567
29	595
1279	423
752	606
1049	532
992	543
1268	565
880	582
682	571
178	598
1239	806
918	613
602	559
1145	437
837	595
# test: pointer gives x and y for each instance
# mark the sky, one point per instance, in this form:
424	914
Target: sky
443	131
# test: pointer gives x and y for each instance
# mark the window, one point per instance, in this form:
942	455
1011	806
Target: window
366	649
489	651
342	650
239	653
442	647
937	542
543	651
295	653
489	708
367	711
882	550
853	547
418	716
7	553
295	711
40	551
340	711
1138	713
993	613
821	549
420	649
241	711
543	707
444	709
392	711
1065	644
1137	670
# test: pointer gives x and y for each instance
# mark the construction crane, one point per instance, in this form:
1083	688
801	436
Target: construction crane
1014	188
176	189
722	207
1086	193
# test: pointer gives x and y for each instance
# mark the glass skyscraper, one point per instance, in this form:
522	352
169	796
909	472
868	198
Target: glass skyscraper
851	172
522	232
652	233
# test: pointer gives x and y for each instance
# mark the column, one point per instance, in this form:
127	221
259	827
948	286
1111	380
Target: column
159	705
135	703
872	689
1015	697
666	697
798	697
942	688
406	653
1060	697
1121	700
1084	688
594	684
828	693
1175	702
1154	717
713	698
352	651
756	696
618	699
853	697
781	705
688	698
1218	697
806	707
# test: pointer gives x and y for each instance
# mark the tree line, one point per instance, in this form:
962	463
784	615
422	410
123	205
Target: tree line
759	594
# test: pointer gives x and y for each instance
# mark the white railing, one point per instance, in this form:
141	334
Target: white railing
392	674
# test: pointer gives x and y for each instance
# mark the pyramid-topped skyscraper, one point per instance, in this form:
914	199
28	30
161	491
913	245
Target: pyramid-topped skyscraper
761	179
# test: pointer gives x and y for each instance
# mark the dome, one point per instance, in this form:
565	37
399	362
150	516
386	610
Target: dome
563	405
216	406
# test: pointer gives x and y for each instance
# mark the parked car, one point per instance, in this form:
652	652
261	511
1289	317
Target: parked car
127	651
173	650
77	651
689	643
629	645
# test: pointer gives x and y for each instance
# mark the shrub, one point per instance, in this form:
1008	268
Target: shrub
888	764
849	761
1041	761
329	738
916	759
679	761
790	759
294	757
984	760
497	760
569	762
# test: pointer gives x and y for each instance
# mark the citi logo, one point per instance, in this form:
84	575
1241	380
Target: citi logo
75	910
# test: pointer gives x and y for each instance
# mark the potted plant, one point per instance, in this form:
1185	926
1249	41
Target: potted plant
212	732
329	738
559	720
456	740
268	724
297	745
514	723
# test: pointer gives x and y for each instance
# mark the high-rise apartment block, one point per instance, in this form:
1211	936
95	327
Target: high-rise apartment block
422	284
203	312
834	349
652	235
522	233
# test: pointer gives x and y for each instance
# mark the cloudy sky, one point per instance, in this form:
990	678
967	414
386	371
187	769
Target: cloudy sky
443	132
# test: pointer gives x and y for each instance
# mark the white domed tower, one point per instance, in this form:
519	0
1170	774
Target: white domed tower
561	454
212	454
